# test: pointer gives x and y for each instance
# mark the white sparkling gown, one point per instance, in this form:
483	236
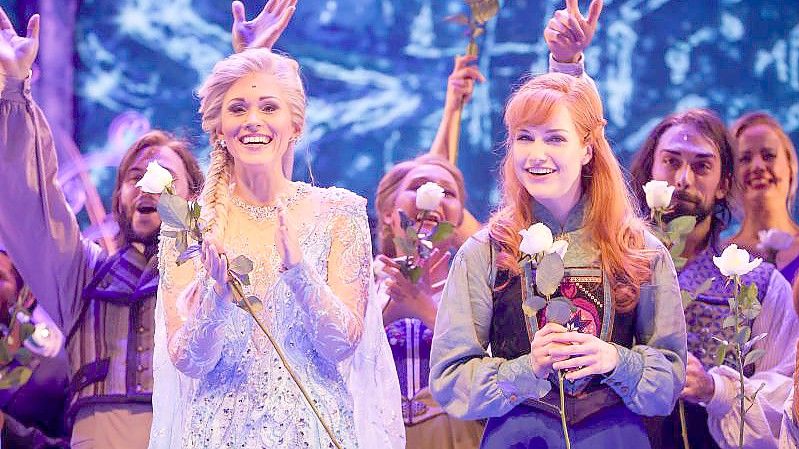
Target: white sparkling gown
229	388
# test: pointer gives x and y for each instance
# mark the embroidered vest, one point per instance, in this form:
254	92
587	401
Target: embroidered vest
704	316
511	333
110	346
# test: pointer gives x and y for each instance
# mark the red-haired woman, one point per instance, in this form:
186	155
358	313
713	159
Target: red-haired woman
623	348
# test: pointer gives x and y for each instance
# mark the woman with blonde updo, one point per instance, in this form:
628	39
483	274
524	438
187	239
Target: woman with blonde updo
311	256
622	348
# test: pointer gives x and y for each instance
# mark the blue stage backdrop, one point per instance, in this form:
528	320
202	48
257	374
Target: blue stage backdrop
375	71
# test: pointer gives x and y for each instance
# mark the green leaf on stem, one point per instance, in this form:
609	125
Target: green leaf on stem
174	211
169	233
442	231
558	311
256	304
681	226
750	291
676	250
535	303
754	356
729	321
16	377
548	274
241	265
721	353
743	335
752	310
402	244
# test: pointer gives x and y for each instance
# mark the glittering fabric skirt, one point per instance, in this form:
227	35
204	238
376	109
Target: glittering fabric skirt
525	427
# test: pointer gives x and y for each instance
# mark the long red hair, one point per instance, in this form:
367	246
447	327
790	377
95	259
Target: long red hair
611	218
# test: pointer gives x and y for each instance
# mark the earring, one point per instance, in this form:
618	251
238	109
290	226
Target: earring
222	144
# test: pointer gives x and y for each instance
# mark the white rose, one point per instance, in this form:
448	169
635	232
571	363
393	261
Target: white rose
559	247
155	179
429	196
735	261
535	239
774	240
23	317
40	335
658	194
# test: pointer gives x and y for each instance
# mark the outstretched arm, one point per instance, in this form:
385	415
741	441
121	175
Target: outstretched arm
460	87
44	241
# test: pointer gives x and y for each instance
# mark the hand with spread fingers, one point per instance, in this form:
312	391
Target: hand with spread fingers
17	53
568	33
288	244
460	84
264	30
415	300
583	355
699	385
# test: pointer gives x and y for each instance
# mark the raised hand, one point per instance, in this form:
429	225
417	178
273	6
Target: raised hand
17	53
568	33
288	245
460	84
264	30
584	355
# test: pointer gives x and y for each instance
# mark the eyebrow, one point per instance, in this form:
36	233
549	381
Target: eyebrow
680	153
545	132
268	97
442	183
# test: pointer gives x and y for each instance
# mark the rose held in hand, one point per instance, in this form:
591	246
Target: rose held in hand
658	194
429	196
735	261
156	179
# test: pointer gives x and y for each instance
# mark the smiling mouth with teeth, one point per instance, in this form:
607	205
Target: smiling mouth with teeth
256	140
540	171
